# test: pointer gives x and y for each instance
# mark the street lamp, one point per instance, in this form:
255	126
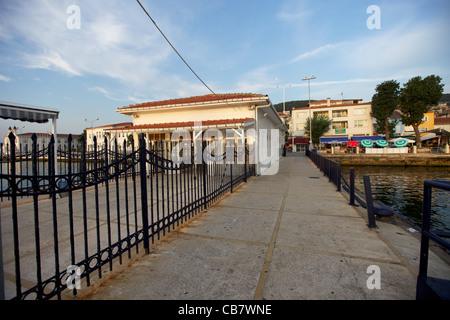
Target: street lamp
92	122
310	119
284	87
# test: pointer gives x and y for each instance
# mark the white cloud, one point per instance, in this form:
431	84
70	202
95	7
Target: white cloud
323	49
50	61
257	80
118	43
4	78
397	51
294	11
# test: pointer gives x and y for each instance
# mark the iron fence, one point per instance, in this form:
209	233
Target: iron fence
67	224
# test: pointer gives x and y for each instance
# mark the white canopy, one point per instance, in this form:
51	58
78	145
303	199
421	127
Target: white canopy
17	111
400	138
428	136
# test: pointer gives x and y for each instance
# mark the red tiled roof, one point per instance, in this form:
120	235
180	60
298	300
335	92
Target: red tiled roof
183	124
335	106
115	125
196	99
441	120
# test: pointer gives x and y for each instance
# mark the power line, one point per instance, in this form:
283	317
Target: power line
179	55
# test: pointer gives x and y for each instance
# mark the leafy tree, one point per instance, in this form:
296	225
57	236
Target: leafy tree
130	139
416	98
384	102
82	136
320	124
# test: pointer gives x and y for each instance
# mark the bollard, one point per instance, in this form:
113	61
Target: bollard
352	186
369	202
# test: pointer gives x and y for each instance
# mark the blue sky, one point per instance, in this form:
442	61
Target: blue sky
117	57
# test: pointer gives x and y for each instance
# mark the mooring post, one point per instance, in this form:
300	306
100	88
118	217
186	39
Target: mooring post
352	186
369	202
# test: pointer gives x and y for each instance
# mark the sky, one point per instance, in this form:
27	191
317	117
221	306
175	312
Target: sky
88	58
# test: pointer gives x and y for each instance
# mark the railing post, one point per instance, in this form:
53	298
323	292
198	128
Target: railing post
245	162
12	144
424	243
2	279
369	202
144	204
352	186
205	195
338	176
231	172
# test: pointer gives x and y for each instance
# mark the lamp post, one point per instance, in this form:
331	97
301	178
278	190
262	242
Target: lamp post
92	122
309	105
284	87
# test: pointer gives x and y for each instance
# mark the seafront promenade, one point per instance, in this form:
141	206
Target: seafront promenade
288	236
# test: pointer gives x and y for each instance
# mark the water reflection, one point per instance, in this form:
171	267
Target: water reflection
402	189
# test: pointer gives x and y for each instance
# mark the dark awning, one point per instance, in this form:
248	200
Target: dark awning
333	139
22	112
373	138
299	141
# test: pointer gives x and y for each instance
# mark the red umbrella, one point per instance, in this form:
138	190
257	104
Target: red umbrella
352	143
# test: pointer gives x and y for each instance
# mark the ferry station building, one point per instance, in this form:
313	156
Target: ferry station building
250	117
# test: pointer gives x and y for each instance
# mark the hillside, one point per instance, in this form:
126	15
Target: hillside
291	105
445	98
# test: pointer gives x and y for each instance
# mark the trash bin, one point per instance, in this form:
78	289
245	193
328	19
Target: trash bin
62	184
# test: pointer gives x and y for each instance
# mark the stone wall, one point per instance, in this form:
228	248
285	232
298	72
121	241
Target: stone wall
432	160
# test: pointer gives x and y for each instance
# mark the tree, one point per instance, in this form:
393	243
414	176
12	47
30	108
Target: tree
384	102
320	124
416	98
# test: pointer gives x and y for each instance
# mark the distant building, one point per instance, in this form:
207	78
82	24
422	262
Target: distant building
399	127
104	131
426	125
350	117
442	123
25	143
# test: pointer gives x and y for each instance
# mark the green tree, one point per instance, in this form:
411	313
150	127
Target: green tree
320	124
130	139
416	98
385	100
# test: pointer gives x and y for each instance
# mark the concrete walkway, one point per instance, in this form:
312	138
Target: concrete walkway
284	236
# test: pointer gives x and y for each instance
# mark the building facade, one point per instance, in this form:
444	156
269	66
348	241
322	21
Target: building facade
24	142
350	117
426	125
104	131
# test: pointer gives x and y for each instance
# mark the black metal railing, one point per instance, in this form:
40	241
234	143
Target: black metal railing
430	287
330	168
61	226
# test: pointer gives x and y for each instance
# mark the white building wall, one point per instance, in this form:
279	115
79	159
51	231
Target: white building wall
359	121
192	114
